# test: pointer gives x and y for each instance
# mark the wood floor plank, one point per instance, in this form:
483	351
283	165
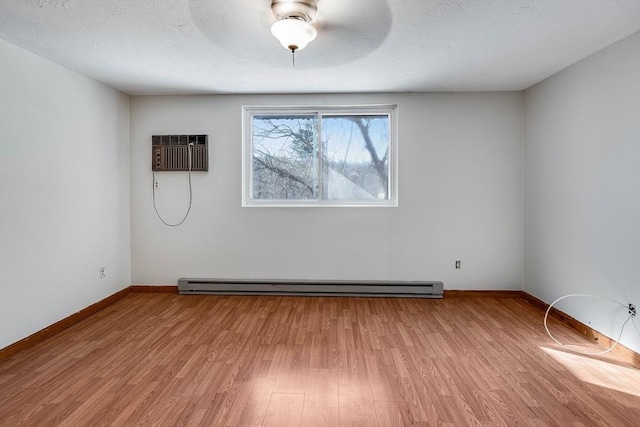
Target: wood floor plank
166	359
322	387
291	377
354	383
251	407
356	413
284	410
321	398
315	415
93	403
394	414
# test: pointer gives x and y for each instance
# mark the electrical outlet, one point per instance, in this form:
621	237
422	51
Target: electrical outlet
632	310
156	184
458	263
103	272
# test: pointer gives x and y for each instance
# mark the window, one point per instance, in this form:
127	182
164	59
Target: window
303	156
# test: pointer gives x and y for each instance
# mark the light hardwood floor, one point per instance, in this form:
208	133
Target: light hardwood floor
171	360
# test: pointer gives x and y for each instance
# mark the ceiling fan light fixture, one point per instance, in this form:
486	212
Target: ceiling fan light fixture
293	27
293	34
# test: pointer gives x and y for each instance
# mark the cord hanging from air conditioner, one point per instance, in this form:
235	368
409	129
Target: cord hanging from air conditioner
155	208
631	316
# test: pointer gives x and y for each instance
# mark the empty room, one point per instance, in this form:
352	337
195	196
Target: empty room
319	213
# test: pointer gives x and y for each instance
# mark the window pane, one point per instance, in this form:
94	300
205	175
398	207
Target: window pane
285	164
355	157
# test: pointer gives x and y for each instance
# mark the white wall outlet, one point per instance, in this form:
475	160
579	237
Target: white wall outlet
103	272
156	184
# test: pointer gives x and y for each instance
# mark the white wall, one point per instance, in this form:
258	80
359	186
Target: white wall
460	197
582	187
64	192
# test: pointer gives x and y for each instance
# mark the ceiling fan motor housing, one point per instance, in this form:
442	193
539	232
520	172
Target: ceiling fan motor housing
304	10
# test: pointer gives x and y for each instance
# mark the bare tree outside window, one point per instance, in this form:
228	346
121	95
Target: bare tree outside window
285	157
355	157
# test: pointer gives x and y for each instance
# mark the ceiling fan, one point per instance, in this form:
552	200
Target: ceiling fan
334	32
294	26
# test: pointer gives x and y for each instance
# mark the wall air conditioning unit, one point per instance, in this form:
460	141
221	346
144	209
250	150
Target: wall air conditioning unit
171	152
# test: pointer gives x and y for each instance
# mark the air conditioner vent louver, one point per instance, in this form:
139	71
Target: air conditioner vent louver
171	152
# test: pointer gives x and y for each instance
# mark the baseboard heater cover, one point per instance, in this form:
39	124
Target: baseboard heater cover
363	288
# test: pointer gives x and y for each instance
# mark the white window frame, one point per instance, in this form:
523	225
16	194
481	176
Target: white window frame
247	153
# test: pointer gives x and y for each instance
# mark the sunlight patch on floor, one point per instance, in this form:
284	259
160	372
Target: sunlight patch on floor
598	372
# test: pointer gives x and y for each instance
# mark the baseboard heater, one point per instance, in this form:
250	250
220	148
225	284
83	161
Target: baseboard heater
363	288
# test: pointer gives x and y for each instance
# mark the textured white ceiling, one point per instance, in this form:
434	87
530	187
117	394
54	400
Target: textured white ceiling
225	46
